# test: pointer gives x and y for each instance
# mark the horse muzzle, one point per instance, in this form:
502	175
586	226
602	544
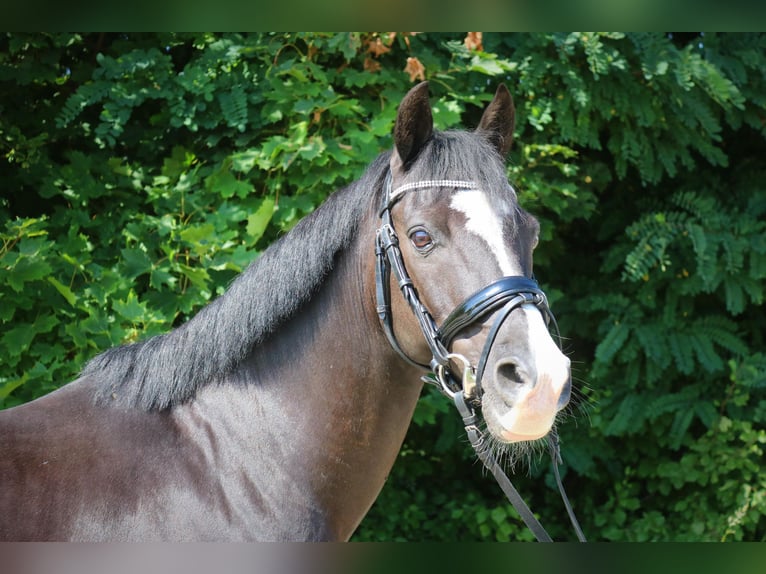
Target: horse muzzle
525	378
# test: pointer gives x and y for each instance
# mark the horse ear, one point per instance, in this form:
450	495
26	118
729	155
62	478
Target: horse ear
414	126
498	121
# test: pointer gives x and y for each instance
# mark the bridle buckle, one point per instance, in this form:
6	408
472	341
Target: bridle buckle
447	384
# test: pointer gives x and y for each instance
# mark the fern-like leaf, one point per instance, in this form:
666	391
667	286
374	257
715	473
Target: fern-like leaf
681	350
234	107
612	342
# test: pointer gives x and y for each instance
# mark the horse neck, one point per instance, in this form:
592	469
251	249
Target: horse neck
333	400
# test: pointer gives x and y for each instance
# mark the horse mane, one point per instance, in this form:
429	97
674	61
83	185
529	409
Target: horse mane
168	369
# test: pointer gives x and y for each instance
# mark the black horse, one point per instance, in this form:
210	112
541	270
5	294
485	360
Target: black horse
278	410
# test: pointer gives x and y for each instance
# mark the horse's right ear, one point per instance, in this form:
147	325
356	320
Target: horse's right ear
498	121
414	126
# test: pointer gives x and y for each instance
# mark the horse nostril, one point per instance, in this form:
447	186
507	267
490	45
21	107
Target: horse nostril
566	393
510	372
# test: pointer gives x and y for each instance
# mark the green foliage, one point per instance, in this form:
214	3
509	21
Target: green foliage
142	172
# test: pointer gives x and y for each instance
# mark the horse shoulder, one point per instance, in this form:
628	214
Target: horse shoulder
67	462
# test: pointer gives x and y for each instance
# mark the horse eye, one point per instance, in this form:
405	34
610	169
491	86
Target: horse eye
421	239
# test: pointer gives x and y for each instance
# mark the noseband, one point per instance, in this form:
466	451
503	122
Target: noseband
501	297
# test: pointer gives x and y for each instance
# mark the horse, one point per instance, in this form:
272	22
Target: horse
277	411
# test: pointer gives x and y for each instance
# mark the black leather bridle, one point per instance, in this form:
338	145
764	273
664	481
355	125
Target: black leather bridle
501	297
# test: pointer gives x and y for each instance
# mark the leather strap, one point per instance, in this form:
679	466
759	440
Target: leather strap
486	301
480	445
553	444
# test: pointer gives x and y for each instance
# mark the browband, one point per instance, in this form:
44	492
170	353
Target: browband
394	196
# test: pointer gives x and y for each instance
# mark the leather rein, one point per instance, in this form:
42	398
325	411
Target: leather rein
501	297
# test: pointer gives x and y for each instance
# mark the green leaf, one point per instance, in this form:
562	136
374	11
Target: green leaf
17	339
199	277
244	161
227	185
160	277
9	386
681	422
134	262
258	222
25	271
625	417
446	114
65	291
198	236
485	66
612	342
131	309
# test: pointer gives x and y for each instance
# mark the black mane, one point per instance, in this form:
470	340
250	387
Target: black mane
169	369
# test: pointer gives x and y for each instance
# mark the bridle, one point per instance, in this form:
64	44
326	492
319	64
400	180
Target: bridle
505	294
501	297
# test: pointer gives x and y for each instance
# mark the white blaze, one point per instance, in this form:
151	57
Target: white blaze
536	407
549	360
483	221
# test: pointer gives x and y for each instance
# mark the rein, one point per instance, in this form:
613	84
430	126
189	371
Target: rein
503	295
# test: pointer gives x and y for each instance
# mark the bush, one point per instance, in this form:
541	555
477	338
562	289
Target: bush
143	171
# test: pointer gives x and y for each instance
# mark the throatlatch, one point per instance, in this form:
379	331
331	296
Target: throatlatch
501	297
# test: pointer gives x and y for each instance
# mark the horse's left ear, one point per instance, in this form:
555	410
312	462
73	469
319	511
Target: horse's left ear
498	121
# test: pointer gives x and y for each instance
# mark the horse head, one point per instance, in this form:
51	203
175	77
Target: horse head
465	246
